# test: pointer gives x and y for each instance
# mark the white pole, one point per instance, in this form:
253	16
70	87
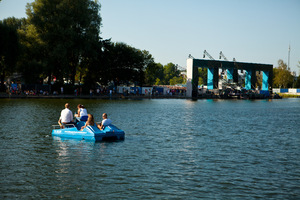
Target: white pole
289	56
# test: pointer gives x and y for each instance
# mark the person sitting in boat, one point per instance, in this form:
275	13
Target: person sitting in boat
89	122
81	114
105	122
66	116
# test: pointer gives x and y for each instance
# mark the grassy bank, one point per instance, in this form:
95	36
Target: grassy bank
286	95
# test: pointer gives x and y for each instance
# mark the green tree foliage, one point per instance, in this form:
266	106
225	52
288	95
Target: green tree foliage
177	80
60	38
297	84
202	73
9	49
123	64
282	76
163	75
90	70
170	71
158	82
30	60
68	30
153	72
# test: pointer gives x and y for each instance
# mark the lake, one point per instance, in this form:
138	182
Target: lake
173	149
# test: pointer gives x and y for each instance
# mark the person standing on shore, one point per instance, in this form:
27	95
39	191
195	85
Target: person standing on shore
66	116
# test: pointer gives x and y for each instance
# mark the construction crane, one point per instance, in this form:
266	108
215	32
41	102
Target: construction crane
190	56
206	53
222	55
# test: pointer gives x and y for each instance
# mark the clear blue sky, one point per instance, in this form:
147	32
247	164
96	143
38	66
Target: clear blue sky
257	31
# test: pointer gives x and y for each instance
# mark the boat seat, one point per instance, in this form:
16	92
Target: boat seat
80	124
93	128
84	118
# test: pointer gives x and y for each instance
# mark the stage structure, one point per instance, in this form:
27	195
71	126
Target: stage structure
232	68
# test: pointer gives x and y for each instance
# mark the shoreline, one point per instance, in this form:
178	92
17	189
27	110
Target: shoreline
134	97
137	97
114	96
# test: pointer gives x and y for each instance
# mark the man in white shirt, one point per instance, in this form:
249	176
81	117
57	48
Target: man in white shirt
66	116
105	122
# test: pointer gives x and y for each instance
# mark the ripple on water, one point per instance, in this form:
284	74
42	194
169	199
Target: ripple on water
174	149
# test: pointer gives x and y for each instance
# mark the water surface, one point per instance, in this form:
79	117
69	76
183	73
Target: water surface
173	149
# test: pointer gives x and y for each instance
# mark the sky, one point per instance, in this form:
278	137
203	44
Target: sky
254	31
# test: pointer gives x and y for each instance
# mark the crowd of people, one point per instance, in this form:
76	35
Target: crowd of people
66	118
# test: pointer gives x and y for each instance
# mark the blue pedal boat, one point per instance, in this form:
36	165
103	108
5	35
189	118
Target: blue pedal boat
92	133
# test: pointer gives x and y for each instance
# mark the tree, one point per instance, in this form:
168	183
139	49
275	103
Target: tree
68	29
9	49
153	72
297	84
177	80
282	76
202	73
92	69
298	79
124	64
158	82
170	71
30	63
163	75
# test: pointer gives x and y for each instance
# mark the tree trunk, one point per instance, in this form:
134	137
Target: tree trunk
73	73
50	77
2	87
